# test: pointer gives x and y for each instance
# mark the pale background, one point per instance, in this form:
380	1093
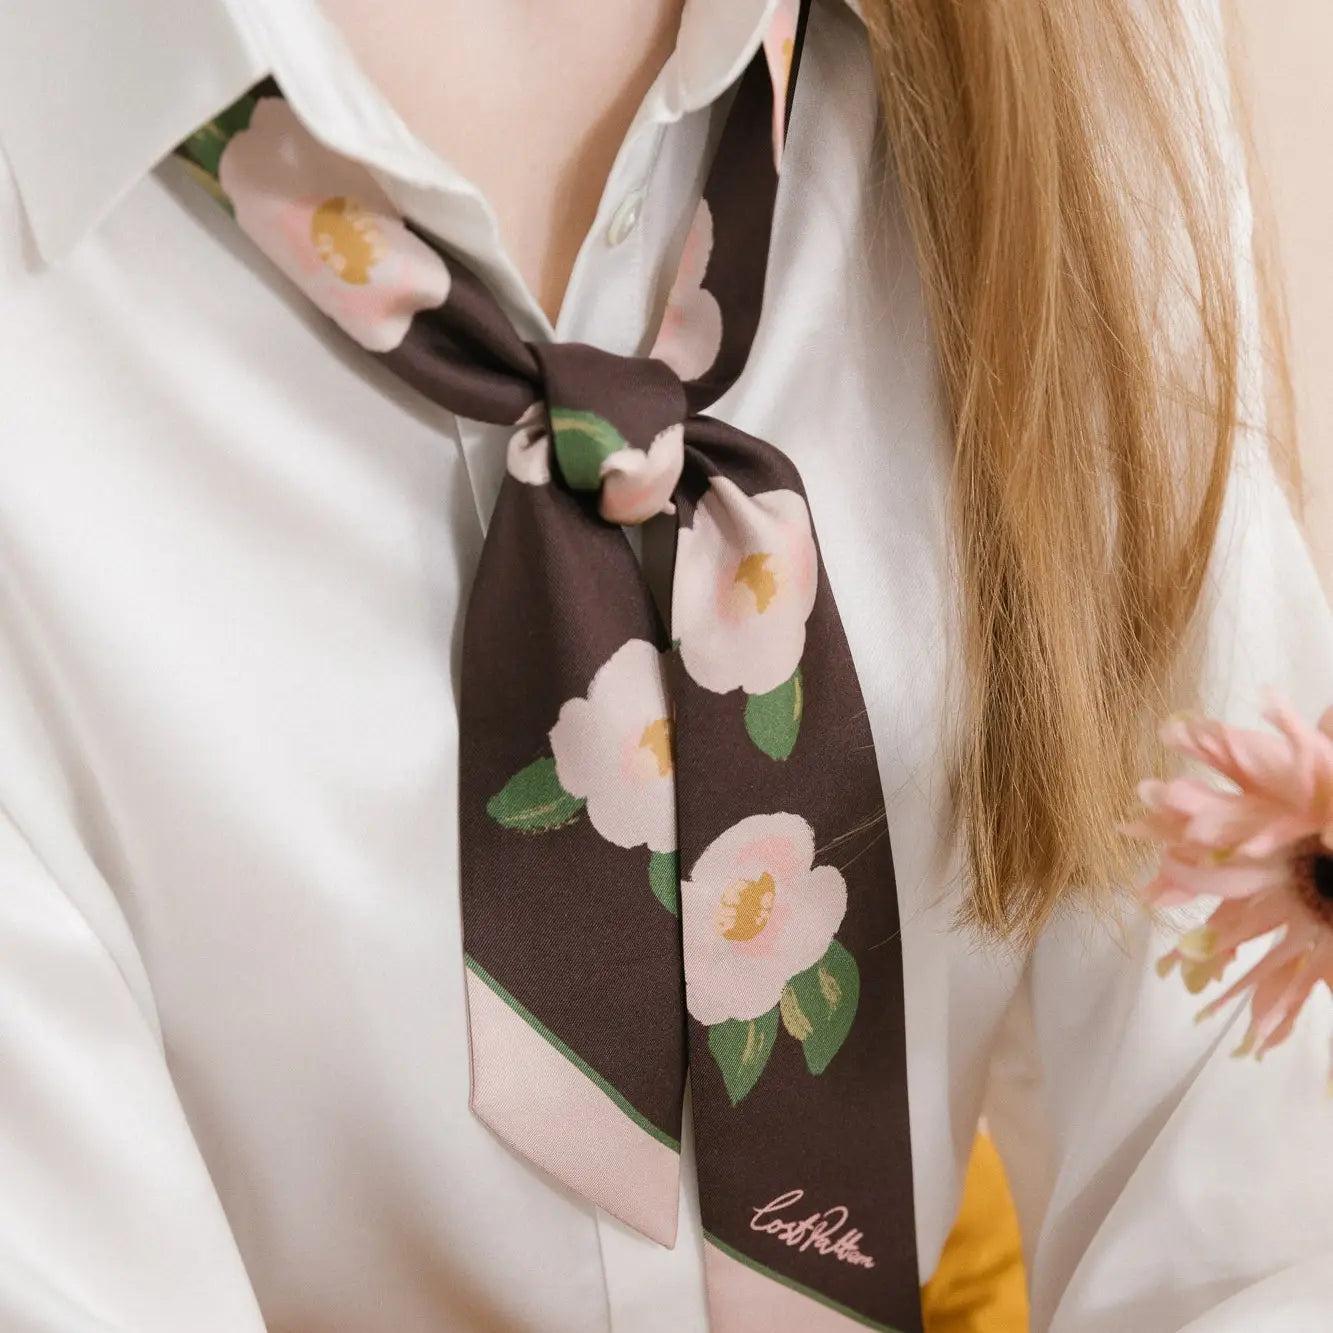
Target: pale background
1287	46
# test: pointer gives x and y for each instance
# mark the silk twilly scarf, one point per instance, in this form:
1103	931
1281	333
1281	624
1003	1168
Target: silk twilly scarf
673	843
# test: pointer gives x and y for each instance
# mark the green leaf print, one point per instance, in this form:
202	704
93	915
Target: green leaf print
819	1004
774	719
741	1050
204	147
533	801
583	442
664	878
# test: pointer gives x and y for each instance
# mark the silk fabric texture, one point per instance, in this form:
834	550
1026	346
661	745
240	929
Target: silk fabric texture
673	842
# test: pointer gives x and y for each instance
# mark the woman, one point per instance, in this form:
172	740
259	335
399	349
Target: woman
261	468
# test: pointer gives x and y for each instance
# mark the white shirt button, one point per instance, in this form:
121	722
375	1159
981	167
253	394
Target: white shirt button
626	218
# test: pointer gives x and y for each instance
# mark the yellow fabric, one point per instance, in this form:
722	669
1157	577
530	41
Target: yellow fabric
980	1286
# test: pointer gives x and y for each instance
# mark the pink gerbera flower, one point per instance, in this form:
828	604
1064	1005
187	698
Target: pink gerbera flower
1264	846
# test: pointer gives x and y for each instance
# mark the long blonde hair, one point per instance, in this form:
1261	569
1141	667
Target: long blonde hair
1065	184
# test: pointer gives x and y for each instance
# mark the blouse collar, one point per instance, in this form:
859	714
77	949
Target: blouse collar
94	93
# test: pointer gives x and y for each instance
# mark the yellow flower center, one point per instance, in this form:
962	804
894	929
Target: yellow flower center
1200	962
347	238
754	573
745	908
656	739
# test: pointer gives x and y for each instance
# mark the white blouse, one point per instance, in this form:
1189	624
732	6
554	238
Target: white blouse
234	553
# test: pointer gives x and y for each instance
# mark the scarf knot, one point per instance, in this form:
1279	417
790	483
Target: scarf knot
615	425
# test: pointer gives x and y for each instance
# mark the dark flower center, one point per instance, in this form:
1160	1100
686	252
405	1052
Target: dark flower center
1321	872
1312	879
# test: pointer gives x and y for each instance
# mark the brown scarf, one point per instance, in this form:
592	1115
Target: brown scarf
674	851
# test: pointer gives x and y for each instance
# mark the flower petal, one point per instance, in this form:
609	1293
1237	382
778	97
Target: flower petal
1238	920
1277	958
638	484
1279	986
1310	778
690	336
1293	770
1236	878
1187	810
613	749
745	585
1250	759
528	457
1325	722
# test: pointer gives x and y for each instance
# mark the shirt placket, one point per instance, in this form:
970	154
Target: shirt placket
614	301
610	300
617	289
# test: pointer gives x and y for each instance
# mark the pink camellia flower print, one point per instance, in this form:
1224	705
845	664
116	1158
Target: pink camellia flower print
327	225
755	912
746	577
691	332
1263	845
613	750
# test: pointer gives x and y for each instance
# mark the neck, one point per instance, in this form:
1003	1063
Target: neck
531	101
